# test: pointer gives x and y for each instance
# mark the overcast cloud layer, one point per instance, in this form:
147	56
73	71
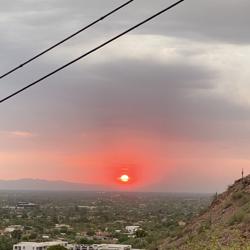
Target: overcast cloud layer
170	99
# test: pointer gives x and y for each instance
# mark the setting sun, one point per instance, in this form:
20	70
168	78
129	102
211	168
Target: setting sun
124	178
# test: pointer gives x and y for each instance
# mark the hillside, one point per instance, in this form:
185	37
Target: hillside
225	225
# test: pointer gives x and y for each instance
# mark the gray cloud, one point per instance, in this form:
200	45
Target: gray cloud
225	20
169	99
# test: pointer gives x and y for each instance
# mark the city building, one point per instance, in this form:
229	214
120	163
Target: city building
13	228
24	204
45	245
102	247
38	246
112	247
61	226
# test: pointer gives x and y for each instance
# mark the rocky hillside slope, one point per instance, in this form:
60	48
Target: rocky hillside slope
225	225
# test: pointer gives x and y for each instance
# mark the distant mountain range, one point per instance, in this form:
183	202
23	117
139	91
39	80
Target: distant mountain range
45	185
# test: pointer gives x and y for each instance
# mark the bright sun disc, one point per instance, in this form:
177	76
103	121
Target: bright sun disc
124	178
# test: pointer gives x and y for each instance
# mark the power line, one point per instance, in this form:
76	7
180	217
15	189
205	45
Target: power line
65	39
90	52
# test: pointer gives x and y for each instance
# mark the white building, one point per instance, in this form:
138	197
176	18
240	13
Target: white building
132	229
13	228
24	204
38	246
111	247
60	226
103	247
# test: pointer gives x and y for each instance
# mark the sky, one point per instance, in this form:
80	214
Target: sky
168	104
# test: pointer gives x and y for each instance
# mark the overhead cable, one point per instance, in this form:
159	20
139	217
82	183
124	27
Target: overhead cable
64	40
90	52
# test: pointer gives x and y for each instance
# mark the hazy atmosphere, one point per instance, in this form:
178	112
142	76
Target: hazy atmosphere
168	104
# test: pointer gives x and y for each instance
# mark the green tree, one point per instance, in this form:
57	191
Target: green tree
86	241
140	234
33	236
16	235
5	243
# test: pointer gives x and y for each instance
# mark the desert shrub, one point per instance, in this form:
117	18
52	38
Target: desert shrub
228	204
247	219
205	225
237	217
246	207
237	195
241	198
